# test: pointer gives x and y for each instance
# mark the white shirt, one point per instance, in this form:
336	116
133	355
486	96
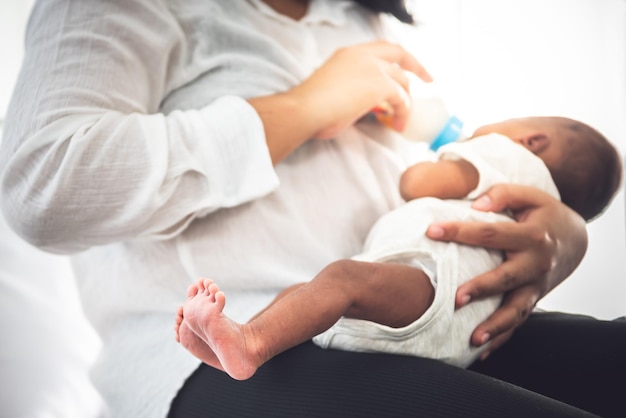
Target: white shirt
129	144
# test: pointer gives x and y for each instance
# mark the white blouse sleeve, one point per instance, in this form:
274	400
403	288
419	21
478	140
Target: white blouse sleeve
87	157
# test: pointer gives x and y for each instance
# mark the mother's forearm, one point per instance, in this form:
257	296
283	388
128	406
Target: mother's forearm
286	122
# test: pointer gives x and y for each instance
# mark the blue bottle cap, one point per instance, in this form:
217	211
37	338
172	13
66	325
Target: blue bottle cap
449	133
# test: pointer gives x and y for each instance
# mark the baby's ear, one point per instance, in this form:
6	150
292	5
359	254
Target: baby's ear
536	142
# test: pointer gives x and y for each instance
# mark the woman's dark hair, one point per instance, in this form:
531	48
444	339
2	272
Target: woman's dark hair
395	8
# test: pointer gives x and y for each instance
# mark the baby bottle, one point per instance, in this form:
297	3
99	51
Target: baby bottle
430	120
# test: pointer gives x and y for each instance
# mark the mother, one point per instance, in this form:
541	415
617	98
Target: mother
162	140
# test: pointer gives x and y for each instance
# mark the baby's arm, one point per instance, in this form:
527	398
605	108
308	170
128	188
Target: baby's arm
445	179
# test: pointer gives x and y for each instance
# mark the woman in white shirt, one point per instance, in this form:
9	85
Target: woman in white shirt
161	141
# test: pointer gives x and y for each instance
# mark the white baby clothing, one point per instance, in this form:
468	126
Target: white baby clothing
399	237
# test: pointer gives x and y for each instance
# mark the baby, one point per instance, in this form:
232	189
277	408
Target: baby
410	308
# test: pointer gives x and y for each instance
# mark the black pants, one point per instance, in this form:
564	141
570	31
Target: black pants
555	365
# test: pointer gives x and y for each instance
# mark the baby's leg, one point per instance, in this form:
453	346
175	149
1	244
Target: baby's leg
390	294
394	295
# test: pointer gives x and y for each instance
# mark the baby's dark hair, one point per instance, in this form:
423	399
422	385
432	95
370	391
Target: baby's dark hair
590	171
395	8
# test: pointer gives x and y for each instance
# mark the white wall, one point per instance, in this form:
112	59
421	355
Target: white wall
13	17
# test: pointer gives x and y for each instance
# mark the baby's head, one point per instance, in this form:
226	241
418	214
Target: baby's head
585	166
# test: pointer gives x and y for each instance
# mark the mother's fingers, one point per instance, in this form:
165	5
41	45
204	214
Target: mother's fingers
398	75
511	196
507	236
400	61
508	276
515	308
394	53
493	282
496	343
398	101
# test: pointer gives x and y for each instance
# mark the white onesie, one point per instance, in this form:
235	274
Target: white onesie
399	237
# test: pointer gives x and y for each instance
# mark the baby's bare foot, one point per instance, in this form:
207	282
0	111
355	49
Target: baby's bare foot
192	291
226	339
196	346
198	287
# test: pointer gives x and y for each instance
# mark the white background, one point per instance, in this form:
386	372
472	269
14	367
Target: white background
494	59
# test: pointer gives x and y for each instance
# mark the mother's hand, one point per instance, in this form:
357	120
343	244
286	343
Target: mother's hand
348	85
355	79
542	248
